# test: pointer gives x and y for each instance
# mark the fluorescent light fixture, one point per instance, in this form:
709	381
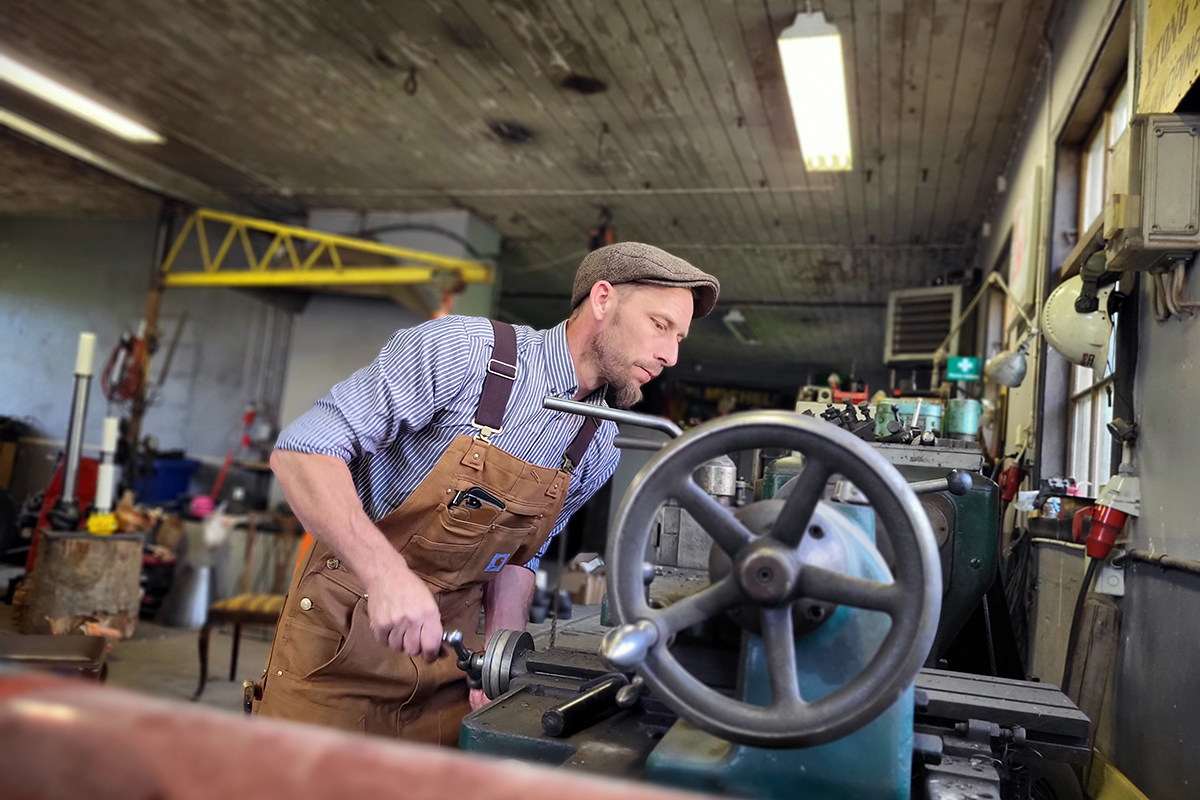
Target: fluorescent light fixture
811	51
71	101
738	326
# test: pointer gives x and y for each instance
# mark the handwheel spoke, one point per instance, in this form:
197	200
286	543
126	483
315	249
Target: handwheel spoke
817	583
802	500
780	642
717	520
693	610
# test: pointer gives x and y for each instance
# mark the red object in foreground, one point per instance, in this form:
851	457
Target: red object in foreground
1107	524
66	739
1010	483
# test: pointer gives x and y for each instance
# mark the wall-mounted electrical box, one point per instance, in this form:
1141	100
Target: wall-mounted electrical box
1152	211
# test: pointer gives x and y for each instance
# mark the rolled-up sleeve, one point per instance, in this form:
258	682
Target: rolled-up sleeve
592	475
419	371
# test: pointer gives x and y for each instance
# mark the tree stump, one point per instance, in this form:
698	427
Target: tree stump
80	578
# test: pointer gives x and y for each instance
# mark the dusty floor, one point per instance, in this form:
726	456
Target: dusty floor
164	662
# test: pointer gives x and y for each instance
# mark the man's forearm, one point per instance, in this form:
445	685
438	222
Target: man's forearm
321	494
506	600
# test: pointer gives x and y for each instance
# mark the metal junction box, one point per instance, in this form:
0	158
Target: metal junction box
1152	212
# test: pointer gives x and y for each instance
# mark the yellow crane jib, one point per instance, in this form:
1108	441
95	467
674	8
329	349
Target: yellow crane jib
297	257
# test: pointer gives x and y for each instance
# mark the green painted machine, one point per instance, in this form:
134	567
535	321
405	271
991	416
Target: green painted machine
792	666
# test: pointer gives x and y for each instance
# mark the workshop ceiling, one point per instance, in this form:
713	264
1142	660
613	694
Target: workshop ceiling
535	114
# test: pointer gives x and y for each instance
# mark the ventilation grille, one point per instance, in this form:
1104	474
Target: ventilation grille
918	320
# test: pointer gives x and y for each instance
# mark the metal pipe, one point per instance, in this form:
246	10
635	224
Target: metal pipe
1059	543
670	191
1163	560
68	501
939	355
636	443
614	415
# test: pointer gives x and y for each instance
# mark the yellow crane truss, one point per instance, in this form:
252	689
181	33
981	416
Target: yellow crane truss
299	257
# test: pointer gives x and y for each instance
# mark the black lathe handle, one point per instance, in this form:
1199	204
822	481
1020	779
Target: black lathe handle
570	717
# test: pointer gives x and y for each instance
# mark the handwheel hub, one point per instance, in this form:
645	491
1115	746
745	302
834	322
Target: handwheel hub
768	571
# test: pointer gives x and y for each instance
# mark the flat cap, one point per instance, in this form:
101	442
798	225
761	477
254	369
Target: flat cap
634	262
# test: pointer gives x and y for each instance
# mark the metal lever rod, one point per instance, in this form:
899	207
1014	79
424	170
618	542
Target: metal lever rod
614	415
590	706
957	482
469	662
637	443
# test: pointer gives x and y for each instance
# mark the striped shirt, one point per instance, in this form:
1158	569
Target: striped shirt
392	420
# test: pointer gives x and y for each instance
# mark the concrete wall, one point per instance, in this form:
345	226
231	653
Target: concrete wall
60	277
331	338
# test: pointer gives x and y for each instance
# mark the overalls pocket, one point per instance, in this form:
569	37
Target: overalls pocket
362	666
497	550
439	563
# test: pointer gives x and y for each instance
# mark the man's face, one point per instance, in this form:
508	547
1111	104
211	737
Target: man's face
640	337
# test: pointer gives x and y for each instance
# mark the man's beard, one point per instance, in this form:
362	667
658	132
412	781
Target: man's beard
614	370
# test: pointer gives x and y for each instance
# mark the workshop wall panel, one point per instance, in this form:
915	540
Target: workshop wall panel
59	277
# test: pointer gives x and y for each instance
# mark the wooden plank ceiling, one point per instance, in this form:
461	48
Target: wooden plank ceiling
535	114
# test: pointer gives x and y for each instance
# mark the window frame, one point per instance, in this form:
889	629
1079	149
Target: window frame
1104	127
1095	470
1098	467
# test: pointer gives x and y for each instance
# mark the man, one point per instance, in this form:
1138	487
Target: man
433	480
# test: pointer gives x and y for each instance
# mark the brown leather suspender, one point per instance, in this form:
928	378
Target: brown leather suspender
497	388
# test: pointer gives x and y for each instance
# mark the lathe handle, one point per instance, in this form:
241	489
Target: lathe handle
588	707
468	661
958	482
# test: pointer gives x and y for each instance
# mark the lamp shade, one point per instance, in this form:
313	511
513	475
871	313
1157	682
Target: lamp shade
1008	368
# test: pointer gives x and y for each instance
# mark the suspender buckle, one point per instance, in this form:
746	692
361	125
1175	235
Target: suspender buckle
483	432
506	370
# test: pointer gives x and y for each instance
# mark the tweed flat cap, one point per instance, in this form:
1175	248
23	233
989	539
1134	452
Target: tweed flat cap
634	262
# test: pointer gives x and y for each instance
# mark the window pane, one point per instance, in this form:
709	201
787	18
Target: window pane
1101	460
1109	368
1091	194
1081	378
1081	427
1120	114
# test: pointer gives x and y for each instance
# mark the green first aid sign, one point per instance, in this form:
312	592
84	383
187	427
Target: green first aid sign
964	369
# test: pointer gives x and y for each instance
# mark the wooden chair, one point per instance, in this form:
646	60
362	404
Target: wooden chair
246	608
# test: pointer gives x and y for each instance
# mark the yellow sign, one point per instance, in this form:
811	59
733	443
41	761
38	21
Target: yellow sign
1171	54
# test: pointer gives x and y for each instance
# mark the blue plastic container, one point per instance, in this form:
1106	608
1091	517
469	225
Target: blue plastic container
169	478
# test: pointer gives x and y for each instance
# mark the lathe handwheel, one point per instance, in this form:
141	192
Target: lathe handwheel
498	660
768	573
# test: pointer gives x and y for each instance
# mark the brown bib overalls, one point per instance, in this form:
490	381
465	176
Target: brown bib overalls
325	666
